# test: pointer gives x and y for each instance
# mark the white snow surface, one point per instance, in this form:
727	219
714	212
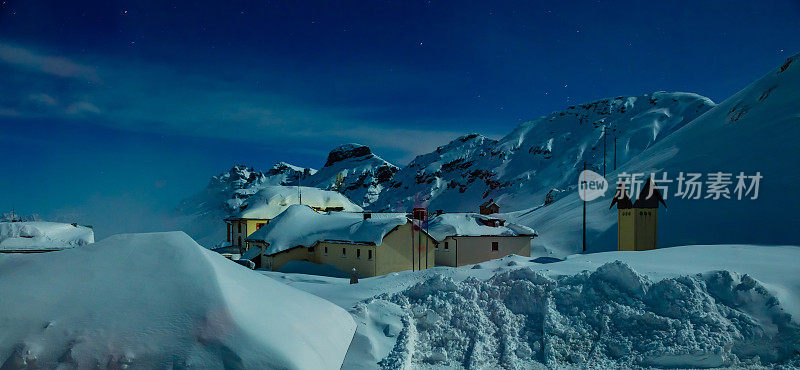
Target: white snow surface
300	225
159	301
683	307
467	224
270	201
42	235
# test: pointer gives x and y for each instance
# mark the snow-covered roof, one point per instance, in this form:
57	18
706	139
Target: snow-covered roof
468	224
300	225
210	313
272	200
41	235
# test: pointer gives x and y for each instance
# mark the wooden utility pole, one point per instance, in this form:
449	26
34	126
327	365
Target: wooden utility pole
604	151
584	210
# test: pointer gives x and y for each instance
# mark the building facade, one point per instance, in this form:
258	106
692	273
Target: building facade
460	250
406	247
637	223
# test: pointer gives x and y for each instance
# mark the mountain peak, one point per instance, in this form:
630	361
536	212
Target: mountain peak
347	151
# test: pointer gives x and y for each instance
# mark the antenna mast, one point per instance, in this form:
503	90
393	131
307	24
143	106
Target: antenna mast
584	212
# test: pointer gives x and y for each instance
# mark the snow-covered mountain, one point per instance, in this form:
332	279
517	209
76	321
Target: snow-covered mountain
541	156
356	172
754	132
532	172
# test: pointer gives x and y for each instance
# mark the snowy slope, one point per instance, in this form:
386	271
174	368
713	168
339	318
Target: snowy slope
539	156
159	301
752	131
364	175
41	235
200	215
690	306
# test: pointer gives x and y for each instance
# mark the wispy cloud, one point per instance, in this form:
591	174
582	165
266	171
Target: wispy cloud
52	65
155	98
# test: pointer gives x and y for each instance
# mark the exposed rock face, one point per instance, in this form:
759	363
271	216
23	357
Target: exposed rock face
353	170
347	151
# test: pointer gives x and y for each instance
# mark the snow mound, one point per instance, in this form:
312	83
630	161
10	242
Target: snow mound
612	317
40	235
159	301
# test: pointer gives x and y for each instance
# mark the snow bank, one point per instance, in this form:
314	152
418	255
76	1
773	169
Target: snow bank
612	317
159	301
468	224
272	200
300	225
40	235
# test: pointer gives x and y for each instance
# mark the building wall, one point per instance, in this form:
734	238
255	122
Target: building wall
365	266
397	252
625	230
405	249
476	249
646	221
276	261
248	226
446	256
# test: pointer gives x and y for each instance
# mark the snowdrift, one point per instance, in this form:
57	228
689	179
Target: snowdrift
159	301
612	317
41	235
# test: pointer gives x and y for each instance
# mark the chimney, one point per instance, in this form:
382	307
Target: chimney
367	215
419	213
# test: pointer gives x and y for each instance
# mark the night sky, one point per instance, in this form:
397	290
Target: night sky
121	108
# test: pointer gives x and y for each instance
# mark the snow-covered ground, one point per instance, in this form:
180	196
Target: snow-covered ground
159	301
691	306
42	236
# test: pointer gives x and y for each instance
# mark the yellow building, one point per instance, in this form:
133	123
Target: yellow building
372	243
637	223
467	238
270	201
